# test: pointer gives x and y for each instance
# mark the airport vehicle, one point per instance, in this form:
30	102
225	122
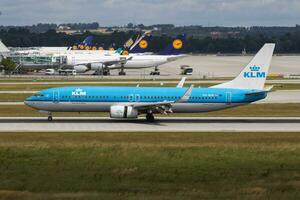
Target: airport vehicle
186	70
67	72
50	72
130	102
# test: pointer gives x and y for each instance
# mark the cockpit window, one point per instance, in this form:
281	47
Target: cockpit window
38	95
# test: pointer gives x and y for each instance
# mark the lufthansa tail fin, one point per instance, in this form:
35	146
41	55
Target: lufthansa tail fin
254	75
141	44
88	41
176	47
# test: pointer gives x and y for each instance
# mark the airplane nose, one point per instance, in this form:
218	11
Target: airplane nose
29	103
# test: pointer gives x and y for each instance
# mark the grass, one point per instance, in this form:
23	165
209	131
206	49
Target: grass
252	110
149	166
13	97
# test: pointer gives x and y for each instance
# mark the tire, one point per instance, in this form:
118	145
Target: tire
50	118
150	117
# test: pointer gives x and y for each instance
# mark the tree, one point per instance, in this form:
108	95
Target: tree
8	65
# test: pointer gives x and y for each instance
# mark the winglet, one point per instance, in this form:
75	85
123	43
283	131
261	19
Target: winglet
181	83
186	95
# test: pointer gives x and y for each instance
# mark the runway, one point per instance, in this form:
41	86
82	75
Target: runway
165	124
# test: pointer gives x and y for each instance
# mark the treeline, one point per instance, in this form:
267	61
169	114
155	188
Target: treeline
42	28
286	43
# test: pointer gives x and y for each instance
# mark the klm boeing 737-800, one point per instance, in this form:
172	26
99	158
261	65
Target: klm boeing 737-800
130	102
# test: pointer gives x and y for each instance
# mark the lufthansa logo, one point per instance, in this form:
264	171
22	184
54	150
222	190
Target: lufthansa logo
125	53
177	44
143	44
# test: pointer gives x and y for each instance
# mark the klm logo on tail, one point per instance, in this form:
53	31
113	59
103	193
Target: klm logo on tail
254	73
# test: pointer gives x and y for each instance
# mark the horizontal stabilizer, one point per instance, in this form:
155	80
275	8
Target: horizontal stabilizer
255	93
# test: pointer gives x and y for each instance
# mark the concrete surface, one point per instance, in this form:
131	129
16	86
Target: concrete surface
228	124
209	66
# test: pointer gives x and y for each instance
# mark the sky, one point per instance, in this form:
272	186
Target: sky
148	12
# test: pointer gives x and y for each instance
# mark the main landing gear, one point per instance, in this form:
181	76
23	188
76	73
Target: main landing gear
155	72
150	117
122	72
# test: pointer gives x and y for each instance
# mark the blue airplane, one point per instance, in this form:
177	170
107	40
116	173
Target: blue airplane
130	102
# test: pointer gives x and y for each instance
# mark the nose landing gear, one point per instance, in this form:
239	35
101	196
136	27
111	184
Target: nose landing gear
50	118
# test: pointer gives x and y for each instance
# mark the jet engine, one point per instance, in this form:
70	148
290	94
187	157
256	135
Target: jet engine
121	111
96	66
81	68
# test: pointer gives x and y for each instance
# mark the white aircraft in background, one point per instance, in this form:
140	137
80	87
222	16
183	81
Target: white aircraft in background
92	61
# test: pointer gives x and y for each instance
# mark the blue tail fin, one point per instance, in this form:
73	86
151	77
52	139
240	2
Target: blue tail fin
141	45
176	47
86	44
88	41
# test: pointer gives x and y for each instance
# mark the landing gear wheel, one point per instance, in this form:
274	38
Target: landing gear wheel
122	73
50	118
154	73
106	73
150	117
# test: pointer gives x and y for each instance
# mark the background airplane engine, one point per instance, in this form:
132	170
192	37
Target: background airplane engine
119	111
81	68
96	66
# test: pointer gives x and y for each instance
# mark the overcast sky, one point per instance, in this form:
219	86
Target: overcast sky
179	12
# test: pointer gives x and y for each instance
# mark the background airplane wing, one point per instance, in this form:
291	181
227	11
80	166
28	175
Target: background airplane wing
122	60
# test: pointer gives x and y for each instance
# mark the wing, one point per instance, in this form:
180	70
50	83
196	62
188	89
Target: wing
163	107
122	60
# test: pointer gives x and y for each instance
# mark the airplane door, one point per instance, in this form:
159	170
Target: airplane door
55	96
131	98
228	97
137	98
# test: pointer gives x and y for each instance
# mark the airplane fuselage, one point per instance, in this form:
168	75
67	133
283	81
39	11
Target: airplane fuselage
100	99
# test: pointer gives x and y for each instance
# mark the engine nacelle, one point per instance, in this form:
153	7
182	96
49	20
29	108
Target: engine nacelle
119	111
96	66
81	68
